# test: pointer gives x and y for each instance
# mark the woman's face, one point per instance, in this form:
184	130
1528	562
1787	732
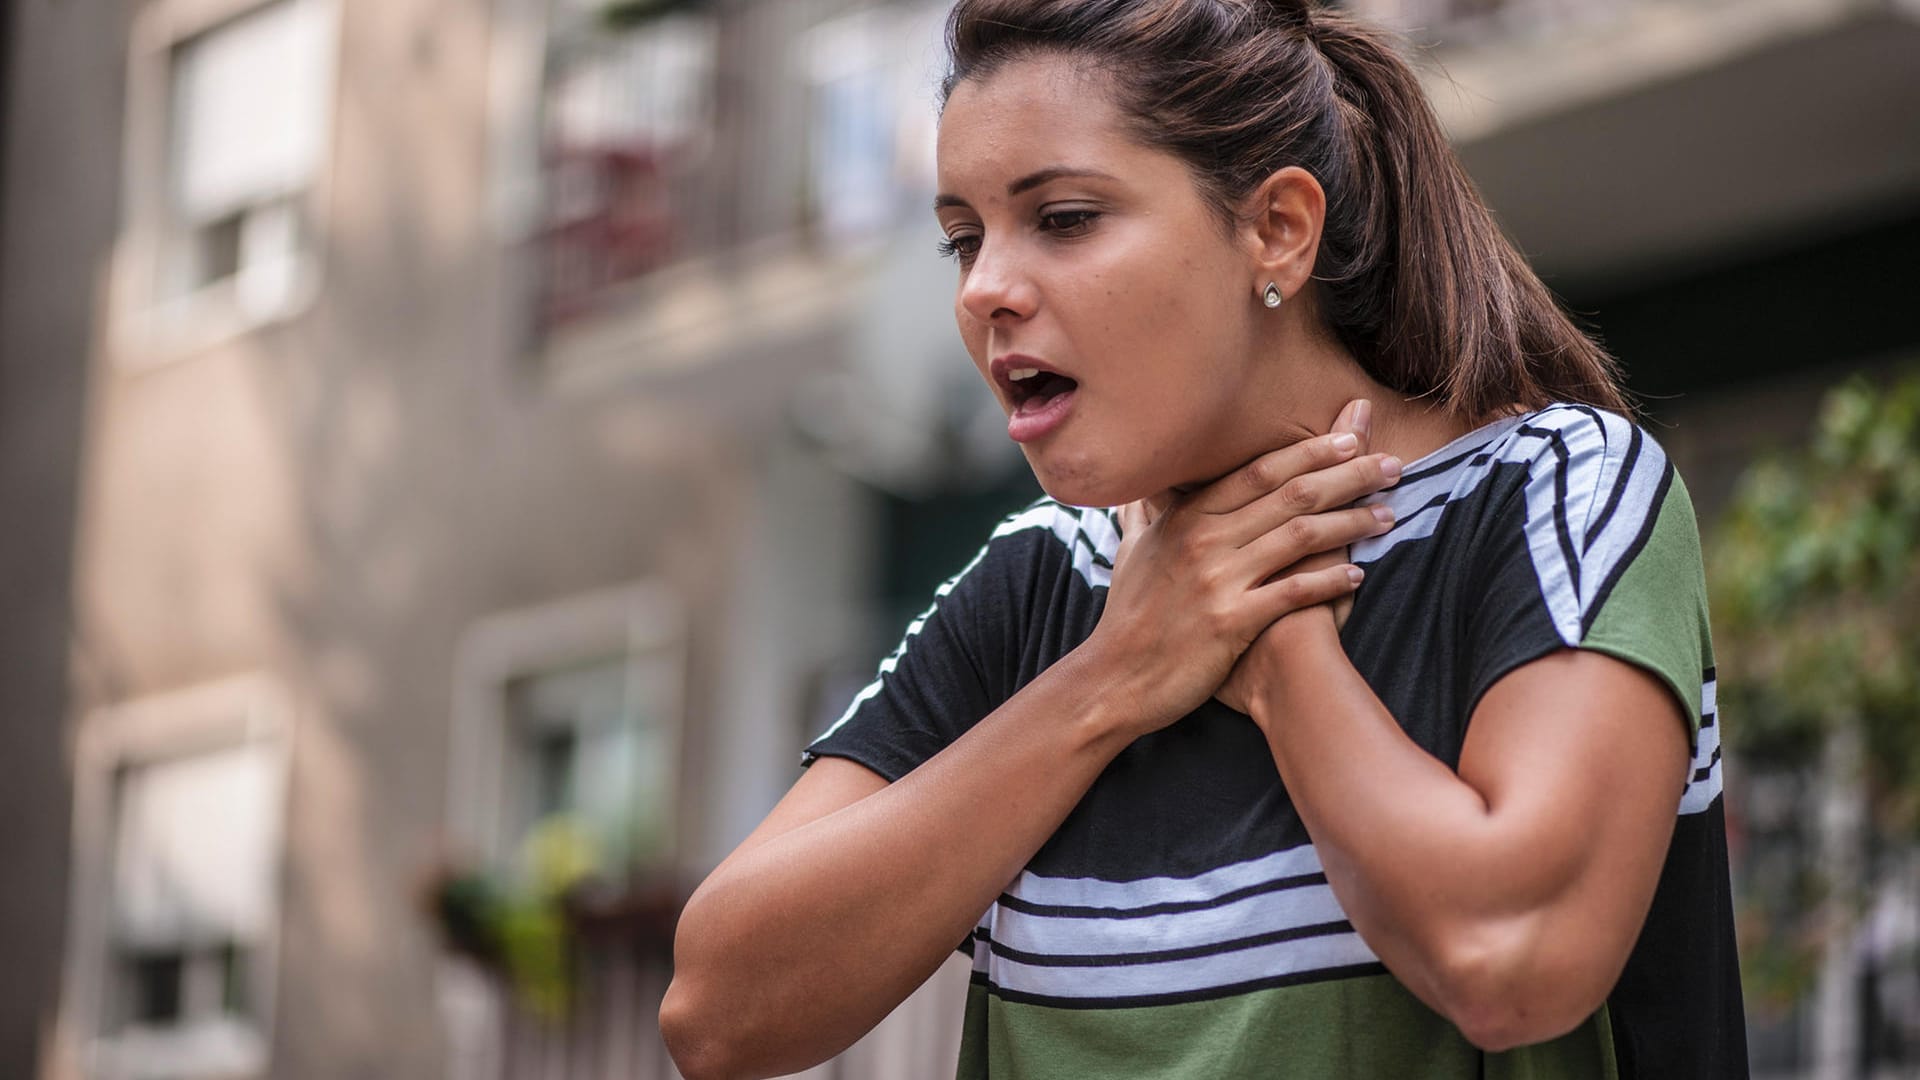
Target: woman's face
1092	257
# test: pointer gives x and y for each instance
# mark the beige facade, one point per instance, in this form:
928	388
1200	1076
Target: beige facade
323	483
342	453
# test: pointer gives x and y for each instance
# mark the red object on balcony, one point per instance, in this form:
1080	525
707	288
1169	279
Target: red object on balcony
609	221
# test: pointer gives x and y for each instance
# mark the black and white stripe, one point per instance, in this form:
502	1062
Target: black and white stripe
1447	475
1581	545
1594	488
1087	940
1089	535
1704	779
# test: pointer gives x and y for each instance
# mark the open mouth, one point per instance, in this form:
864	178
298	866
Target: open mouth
1035	391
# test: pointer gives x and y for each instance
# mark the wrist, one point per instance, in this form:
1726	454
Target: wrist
1288	647
1112	707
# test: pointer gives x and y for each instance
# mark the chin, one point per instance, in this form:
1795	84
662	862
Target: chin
1093	486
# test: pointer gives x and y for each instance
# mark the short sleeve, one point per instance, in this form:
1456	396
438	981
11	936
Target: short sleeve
1600	550
955	663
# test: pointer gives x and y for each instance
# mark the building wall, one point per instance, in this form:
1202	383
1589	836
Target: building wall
335	499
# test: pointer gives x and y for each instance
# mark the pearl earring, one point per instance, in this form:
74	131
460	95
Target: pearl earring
1272	295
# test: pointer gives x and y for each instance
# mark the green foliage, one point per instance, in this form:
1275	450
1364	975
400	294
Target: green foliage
1815	573
520	927
623	14
1815	581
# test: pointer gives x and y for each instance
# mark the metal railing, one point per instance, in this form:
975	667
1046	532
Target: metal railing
1473	21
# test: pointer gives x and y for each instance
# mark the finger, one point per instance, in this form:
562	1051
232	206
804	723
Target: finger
1268	472
1305	589
1314	493
1312	534
1133	518
1344	421
1356	419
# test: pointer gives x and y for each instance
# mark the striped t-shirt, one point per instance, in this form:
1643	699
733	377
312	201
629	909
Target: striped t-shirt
1178	924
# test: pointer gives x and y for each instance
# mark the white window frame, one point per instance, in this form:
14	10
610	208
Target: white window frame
145	327
640	621
244	711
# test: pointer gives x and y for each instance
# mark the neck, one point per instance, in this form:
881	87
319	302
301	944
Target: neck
1407	428
1410	428
1326	377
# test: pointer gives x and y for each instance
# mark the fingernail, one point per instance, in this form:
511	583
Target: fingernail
1383	514
1355	574
1363	417
1390	467
1345	443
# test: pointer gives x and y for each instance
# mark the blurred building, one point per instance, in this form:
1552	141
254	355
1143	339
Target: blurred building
420	422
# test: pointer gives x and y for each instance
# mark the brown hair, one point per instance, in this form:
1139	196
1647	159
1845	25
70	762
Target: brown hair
1413	274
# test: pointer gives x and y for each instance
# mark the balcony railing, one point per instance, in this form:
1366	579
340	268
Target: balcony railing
628	143
686	138
1472	21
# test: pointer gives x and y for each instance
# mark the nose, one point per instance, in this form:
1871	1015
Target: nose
995	289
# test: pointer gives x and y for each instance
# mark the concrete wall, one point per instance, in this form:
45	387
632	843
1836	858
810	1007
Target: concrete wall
335	499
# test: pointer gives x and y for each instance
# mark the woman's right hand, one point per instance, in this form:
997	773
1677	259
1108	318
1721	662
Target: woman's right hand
1197	581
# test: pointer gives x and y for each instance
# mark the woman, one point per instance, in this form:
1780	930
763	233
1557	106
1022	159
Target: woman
1199	803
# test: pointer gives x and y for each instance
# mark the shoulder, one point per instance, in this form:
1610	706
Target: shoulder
1596	479
1049	533
1602	499
1584	444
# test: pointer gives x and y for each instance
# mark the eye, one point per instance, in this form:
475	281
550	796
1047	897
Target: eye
1069	222
961	246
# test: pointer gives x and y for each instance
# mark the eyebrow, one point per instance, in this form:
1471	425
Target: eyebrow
1026	183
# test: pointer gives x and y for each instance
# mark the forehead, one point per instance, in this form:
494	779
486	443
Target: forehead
1032	112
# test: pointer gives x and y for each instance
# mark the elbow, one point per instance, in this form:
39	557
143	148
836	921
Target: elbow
1502	993
698	1050
1494	1023
719	1025
701	1037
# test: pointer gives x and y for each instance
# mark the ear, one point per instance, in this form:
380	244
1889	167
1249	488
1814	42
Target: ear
1280	229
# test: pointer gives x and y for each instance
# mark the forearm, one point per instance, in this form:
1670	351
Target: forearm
794	948
1442	879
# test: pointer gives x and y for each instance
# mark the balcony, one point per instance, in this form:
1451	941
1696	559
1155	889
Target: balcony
704	183
604	1024
1616	137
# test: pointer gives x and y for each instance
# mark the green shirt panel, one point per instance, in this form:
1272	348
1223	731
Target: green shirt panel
1656	615
1368	1027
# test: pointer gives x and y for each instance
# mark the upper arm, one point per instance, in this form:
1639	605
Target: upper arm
1587	647
829	784
1589	651
1581	759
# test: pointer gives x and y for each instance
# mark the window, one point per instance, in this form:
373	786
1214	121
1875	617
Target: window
872	77
179	817
591	745
194	844
227	129
571	711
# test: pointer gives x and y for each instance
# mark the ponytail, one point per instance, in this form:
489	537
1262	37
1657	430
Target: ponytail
1413	275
